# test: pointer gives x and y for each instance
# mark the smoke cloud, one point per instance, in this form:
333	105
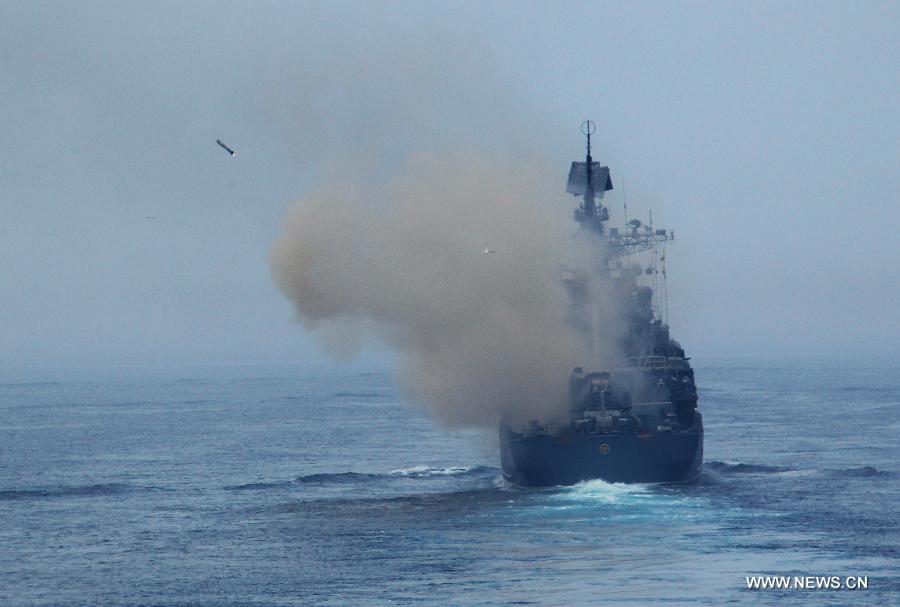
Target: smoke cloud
391	245
478	335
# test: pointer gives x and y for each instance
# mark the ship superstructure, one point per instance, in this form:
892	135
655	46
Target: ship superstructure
632	415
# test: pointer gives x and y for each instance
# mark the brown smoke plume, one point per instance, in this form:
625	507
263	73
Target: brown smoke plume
478	335
391	249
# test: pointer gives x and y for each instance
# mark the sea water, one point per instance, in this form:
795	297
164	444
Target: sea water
256	485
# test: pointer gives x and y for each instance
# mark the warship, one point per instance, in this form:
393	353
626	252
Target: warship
635	421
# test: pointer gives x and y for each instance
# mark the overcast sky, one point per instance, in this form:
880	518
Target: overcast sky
765	135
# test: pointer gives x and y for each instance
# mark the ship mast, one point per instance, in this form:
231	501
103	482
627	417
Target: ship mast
590	181
592	216
589	206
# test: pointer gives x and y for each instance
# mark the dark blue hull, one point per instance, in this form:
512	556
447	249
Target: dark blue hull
663	457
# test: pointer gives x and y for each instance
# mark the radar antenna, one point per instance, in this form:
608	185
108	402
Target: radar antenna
589	180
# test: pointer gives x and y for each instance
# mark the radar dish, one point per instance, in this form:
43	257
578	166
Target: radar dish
588	127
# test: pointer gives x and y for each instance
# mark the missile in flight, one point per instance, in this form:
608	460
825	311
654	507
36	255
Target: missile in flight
225	147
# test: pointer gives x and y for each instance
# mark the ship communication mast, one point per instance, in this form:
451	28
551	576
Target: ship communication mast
590	181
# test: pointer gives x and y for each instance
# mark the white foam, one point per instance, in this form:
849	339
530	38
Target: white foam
418	471
598	490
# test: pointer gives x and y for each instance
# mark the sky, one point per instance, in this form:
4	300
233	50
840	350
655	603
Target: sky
764	134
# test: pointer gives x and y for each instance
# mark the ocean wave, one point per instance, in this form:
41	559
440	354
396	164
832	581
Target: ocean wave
309	479
429	502
426	471
861	472
65	491
258	486
29	384
741	468
339	477
875	389
325	478
360	395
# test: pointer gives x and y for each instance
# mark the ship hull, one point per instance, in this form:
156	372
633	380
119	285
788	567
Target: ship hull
540	461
